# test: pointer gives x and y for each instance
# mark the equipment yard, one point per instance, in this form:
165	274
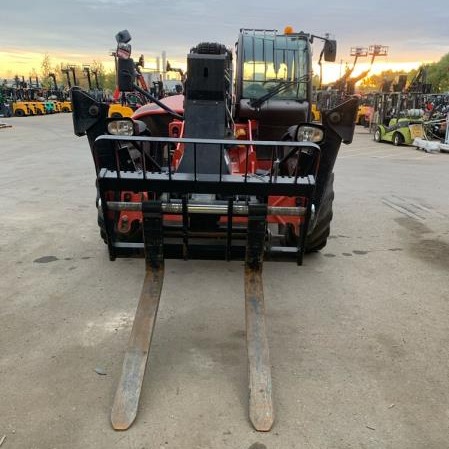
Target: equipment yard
358	335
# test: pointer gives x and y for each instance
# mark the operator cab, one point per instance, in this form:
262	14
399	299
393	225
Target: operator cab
273	82
272	63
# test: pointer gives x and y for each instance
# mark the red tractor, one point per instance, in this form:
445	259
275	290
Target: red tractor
231	169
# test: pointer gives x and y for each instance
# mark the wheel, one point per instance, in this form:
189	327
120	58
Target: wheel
363	122
209	48
317	237
65	109
100	218
398	139
102	226
103	234
377	135
19	113
116	115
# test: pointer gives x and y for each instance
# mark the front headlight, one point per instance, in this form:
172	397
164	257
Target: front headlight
121	127
310	133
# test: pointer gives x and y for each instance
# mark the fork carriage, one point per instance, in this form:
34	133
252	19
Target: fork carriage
204	215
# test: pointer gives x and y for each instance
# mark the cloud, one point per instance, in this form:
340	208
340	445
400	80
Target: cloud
88	27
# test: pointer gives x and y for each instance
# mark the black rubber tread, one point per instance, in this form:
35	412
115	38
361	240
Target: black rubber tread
209	48
19	113
317	236
398	139
377	135
102	227
100	218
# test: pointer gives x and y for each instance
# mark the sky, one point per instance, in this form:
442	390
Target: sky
80	31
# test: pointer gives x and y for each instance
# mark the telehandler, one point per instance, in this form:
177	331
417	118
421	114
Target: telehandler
232	169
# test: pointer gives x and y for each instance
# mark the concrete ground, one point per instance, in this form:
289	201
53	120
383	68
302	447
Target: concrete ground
359	335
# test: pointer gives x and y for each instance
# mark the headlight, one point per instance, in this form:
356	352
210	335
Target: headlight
309	133
121	127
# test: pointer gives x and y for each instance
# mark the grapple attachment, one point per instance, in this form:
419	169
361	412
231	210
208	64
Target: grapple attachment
150	206
204	215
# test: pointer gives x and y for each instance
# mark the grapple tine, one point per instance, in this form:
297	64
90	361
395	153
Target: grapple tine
259	369
260	401
126	401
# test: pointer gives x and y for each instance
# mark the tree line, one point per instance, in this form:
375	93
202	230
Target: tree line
437	74
106	80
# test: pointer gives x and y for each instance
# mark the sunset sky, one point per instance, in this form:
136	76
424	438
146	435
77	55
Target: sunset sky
80	31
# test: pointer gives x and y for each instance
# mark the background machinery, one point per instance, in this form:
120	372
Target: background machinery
232	169
399	114
344	88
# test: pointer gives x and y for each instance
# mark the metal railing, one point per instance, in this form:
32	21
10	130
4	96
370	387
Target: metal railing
158	174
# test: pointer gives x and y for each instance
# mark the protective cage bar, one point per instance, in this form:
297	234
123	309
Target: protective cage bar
160	178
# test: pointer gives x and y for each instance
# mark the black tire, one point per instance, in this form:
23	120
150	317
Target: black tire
116	115
317	236
377	135
65	109
398	139
101	225
100	218
209	48
19	113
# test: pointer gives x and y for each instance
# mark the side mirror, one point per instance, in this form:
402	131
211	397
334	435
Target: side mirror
330	50
125	75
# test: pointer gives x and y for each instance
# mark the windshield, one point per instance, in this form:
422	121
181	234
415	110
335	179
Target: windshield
272	62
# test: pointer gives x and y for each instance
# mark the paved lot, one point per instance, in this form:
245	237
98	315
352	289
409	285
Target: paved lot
358	335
